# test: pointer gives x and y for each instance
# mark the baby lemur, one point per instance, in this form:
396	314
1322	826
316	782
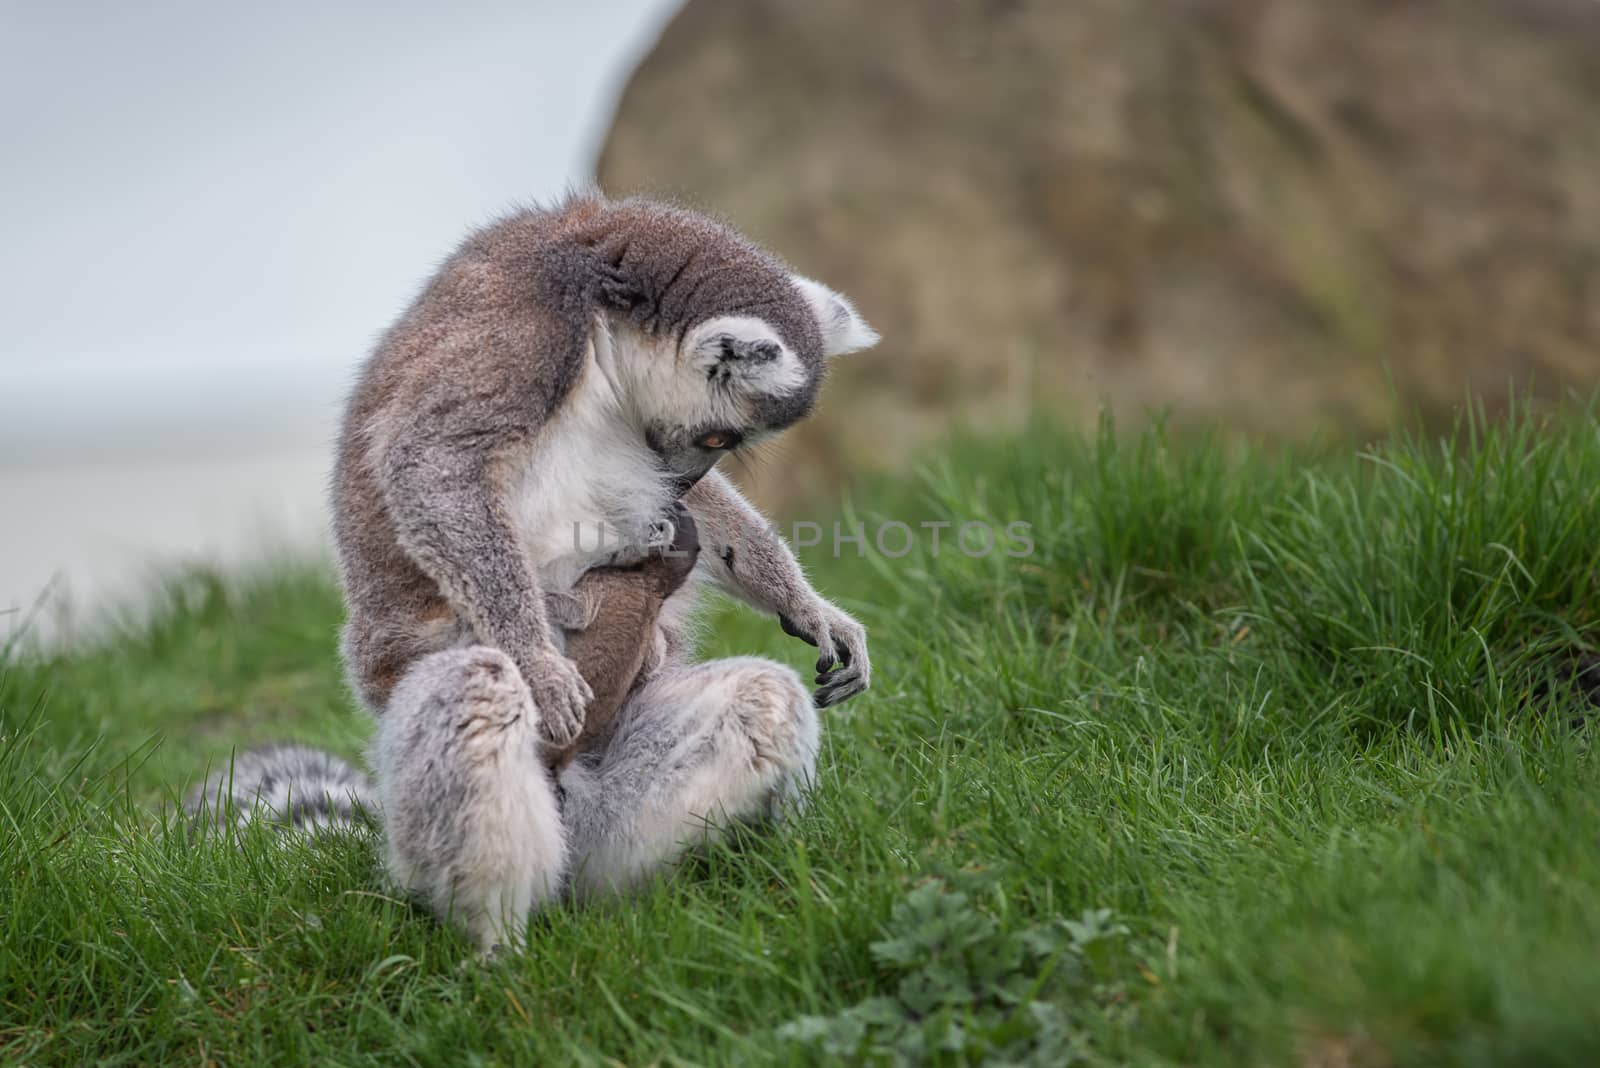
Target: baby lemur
608	623
570	371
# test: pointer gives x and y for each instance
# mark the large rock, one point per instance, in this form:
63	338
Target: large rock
1288	216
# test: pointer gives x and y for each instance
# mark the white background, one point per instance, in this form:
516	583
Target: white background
210	211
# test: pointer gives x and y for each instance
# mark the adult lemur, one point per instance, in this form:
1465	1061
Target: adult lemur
566	372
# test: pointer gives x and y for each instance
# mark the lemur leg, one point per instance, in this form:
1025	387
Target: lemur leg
696	746
471	822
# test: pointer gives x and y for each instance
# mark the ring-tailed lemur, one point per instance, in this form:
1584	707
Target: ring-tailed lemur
569	370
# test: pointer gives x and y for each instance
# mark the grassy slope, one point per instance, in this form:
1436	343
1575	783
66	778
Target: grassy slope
1282	720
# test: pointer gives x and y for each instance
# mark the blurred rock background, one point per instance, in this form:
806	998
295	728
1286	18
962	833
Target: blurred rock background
1290	217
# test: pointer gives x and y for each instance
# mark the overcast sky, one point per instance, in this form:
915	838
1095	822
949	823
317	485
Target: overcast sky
210	210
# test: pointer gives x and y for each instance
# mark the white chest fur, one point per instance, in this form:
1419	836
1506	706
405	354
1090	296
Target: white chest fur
590	475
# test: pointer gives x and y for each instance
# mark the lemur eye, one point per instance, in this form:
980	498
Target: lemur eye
718	439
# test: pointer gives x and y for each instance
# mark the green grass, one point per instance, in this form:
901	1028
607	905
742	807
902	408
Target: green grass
1254	760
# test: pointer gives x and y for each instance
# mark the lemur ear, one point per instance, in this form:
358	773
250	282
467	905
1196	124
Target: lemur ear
843	329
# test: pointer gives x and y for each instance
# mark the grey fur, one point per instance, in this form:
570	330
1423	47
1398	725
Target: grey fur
471	824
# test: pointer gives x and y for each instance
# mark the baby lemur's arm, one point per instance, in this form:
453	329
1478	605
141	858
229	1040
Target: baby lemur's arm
610	619
748	558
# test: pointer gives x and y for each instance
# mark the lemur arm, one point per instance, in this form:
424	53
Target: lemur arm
746	557
445	477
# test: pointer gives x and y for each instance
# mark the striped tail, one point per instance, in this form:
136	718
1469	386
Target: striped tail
291	786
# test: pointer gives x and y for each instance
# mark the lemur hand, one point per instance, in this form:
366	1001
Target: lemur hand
560	695
843	667
668	553
678	558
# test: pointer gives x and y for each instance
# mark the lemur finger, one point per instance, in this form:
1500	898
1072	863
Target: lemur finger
854	654
834	693
839	675
849	679
559	728
833	671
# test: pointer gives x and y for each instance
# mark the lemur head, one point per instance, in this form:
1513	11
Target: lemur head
737	378
728	346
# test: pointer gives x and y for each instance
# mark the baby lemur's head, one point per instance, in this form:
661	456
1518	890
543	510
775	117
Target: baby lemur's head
717	344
